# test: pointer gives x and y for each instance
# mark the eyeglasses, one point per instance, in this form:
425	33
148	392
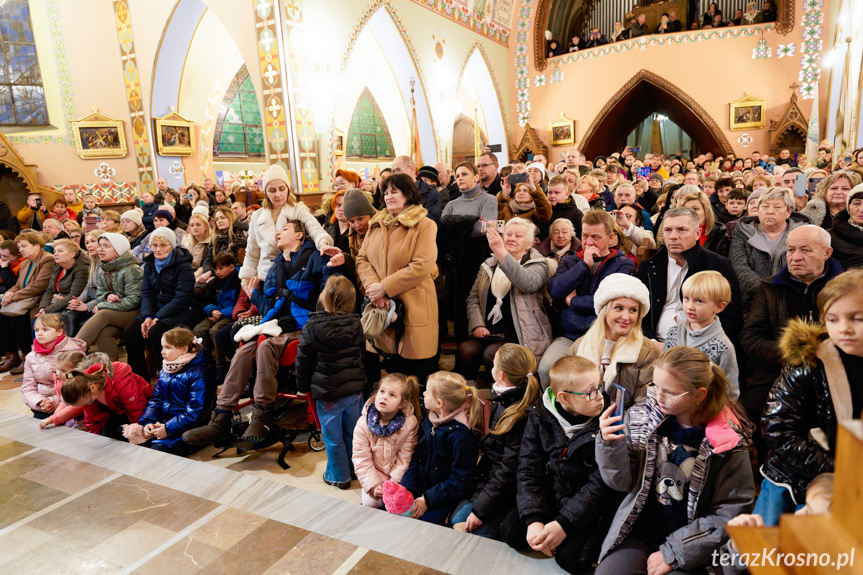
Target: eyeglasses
590	394
661	394
483	165
402	169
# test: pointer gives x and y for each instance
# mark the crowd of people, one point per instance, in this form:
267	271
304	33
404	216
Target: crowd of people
668	24
630	335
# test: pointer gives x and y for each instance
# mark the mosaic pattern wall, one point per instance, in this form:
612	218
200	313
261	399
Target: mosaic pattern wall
228	180
238	128
273	83
109	193
143	152
368	135
490	19
22	99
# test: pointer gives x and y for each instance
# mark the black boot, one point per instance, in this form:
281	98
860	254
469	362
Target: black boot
262	424
219	429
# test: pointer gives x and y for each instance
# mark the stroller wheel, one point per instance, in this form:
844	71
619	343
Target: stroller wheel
316	442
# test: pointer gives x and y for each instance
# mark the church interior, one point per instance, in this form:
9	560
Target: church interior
116	100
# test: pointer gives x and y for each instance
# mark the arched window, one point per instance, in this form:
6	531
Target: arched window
238	127
368	135
22	99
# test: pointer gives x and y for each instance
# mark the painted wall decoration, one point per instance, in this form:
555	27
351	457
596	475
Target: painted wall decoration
104	172
810	48
522	50
143	153
489	18
274	84
106	193
228	180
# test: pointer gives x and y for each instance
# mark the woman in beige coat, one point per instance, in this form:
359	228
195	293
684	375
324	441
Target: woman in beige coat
397	260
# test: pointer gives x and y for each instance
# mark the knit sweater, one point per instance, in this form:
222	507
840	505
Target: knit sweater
475	203
713	342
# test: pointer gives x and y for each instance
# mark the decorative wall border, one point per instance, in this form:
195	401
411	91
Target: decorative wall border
522	57
61	63
114	192
462	16
810	47
301	95
273	83
143	153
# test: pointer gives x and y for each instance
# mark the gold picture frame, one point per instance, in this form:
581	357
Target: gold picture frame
174	135
338	142
98	136
562	131
747	113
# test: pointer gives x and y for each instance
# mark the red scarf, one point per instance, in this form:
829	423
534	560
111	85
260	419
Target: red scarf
701	237
39	348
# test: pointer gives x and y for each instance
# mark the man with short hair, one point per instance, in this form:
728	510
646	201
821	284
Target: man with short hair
639	27
738	18
489	179
575	161
595	38
692	178
430	195
756	159
562	206
680	257
444	173
674	25
786	159
33	214
791	293
656	166
161	189
625	195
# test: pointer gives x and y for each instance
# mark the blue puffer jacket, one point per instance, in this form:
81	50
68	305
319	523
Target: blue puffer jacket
147	217
305	284
574	274
171	292
223	294
443	466
182	400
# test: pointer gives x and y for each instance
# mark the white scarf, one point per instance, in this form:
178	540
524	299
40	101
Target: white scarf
500	286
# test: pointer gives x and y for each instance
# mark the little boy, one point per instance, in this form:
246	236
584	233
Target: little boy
221	296
563	507
148	204
706	294
735	208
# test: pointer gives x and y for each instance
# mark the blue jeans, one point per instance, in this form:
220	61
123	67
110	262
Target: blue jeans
772	502
490	528
338	419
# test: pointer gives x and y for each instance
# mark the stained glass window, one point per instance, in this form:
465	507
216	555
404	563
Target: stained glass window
22	99
239	132
368	135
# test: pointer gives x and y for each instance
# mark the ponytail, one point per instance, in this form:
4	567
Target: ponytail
454	390
518	364
474	414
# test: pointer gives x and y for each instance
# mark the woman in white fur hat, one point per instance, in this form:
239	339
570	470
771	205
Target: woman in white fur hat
279	206
615	342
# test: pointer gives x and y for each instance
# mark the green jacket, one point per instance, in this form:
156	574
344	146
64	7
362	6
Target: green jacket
122	277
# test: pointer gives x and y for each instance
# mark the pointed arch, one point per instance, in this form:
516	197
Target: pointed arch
644	94
368	134
488	96
239	132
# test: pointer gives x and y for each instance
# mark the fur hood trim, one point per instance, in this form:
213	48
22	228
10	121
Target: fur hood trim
800	342
409	218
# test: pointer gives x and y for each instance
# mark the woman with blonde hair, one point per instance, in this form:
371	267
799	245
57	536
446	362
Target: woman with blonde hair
829	199
571	176
588	188
712	234
197	240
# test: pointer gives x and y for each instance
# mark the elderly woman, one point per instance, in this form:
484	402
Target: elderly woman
712	234
758	243
397	260
162	218
562	240
505	304
21	301
68	278
167	301
197	242
846	235
829	198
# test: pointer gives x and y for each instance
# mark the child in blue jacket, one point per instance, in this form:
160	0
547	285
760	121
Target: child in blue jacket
222	293
443	467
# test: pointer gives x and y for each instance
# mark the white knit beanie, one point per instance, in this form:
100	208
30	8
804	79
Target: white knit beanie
621	285
166	233
538	166
202	211
275	172
132	215
854	193
119	242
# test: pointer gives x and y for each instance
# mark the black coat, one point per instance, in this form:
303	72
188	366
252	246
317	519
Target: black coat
497	468
171	292
329	356
558	478
847	242
653	273
718	241
567	210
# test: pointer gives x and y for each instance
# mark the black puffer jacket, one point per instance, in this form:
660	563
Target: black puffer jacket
169	292
558	478
329	356
496	470
801	402
847	242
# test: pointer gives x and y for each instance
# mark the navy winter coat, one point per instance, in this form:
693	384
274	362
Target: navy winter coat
222	295
330	356
182	400
574	274
171	292
443	465
147	218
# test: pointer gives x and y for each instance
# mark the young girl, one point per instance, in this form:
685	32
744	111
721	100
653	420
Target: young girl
821	384
91	208
443	467
65	414
183	395
329	364
515	389
110	394
41	364
695	474
386	435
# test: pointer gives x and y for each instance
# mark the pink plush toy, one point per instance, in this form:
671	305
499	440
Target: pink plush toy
397	499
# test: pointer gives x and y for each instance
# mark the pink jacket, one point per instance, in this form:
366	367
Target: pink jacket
39	372
377	458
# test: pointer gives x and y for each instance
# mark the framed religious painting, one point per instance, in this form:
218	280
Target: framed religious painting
174	135
562	131
338	142
98	136
748	113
